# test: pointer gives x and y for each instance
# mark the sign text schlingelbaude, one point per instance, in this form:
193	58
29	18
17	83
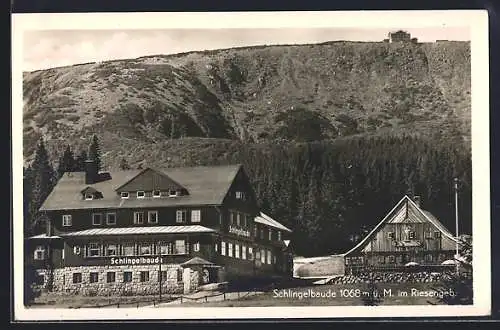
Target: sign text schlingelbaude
135	260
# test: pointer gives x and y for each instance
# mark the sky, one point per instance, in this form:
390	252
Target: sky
43	49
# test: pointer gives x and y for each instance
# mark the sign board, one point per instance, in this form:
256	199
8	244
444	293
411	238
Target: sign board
136	260
239	231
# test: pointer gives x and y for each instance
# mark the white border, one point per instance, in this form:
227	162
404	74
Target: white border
476	20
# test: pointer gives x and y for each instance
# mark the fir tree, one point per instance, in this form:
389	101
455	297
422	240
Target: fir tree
66	162
41	180
95	151
80	161
124	165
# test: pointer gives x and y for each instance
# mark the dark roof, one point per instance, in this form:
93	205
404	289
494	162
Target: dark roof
150	179
207	185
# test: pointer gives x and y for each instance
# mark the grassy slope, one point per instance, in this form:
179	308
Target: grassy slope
250	94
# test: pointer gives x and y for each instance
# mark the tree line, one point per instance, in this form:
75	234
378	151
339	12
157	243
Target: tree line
330	193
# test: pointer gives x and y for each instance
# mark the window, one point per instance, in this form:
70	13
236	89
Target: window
66	220
437	234
111	250
236	250
39	253
238	219
166	248
77	278
390	235
63	253
196	247
127	277
428	234
76	250
89	197
94	250
145	249
128	249
391	259
156	193
172	193
428	257
163	275
195	216
279	235
138	218
230	249
223	248
250	253
181	216
255	231
140	194
179	274
240	195
96	219
243	252
411	235
262	234
124	194
144	276
263	256
381	259
94	277
180	247
153	216
216	247
110	277
111	218
270	234
269	257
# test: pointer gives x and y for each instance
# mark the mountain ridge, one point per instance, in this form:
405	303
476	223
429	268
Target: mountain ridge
253	94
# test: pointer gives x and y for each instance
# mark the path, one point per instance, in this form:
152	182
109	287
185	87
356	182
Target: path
208	296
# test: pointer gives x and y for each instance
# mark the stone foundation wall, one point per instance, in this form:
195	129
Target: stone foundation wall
63	280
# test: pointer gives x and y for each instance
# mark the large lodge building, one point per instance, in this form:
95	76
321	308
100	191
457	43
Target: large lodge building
126	232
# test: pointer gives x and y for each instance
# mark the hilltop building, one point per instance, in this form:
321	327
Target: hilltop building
126	232
400	36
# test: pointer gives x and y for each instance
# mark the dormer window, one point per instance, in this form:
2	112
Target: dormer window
91	193
124	194
140	194
156	193
240	195
173	193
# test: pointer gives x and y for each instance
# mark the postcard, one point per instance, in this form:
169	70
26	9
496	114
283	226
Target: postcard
250	165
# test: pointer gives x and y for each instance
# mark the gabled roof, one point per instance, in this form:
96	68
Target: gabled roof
207	185
89	190
150	179
268	221
406	210
197	261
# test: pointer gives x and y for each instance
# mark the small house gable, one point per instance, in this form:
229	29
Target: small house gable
152	180
91	193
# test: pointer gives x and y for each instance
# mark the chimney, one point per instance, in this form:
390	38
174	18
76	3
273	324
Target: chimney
416	199
91	171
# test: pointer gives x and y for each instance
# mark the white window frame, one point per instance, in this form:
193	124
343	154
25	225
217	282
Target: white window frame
39	248
143	193
437	234
243	252
240	195
223	248
263	256
229	249
125	245
391	235
145	245
107	249
250	253
89	197
93	218
412	235
98	248
177	246
237	251
149	216
196	247
269	257
77	249
107	218
124	194
270	234
172	195
136	222
238	219
156	195
181	216
67	220
196	216
279	235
